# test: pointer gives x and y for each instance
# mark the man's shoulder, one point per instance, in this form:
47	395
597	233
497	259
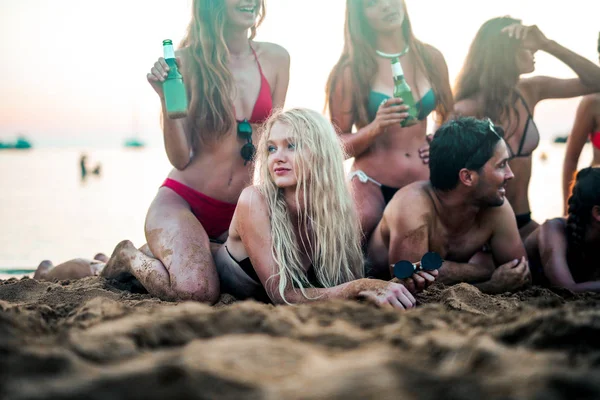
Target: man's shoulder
411	202
499	219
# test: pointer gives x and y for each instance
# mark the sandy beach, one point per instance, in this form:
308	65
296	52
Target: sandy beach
97	339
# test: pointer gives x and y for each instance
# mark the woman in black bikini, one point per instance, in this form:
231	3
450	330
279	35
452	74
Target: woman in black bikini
359	95
489	85
295	236
565	252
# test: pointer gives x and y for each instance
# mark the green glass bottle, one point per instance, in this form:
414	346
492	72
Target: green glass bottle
176	100
402	90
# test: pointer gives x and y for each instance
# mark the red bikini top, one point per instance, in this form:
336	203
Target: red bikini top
264	102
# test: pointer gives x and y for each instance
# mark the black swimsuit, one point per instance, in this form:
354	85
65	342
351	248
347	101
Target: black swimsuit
531	135
248	268
529	142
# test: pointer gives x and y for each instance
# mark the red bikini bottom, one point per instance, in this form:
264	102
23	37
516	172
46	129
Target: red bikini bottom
214	215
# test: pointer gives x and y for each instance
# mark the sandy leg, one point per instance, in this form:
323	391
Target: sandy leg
126	260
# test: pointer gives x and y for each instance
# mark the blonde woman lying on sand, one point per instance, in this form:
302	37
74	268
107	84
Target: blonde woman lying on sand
565	252
295	236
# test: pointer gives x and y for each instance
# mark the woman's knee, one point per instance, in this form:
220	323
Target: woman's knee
205	291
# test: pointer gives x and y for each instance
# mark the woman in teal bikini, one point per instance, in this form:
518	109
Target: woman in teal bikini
386	156
587	124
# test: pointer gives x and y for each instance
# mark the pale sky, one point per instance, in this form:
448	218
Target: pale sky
75	70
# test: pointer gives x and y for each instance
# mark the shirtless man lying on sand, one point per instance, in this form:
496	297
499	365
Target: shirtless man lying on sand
457	213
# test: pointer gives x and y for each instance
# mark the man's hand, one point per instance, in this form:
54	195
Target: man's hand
420	280
508	277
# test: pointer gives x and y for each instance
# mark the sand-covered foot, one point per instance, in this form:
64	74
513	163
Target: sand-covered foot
119	264
146	250
42	269
101	257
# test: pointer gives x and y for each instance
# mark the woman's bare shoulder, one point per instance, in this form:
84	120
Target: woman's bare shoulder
435	54
251	196
273	51
591	100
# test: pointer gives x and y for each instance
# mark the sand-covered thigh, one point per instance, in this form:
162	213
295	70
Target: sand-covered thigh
89	339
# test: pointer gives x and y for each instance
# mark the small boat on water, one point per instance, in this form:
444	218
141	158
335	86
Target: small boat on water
134	142
22	143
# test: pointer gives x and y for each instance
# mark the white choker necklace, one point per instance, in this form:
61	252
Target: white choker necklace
392	55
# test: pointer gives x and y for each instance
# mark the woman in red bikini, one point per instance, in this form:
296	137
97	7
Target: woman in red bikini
359	95
587	124
233	85
490	85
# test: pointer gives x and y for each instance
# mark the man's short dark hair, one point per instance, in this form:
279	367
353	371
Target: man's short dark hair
465	142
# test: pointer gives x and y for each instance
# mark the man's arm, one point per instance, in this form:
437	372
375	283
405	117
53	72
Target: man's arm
408	230
508	252
471	272
505	241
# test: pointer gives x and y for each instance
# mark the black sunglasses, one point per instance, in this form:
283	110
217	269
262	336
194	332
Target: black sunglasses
404	269
244	132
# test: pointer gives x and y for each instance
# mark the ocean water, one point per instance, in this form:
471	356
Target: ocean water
48	212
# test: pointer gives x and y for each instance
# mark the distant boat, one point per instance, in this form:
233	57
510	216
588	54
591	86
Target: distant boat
134	142
561	139
20	144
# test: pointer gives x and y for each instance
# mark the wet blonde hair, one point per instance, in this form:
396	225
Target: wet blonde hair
324	205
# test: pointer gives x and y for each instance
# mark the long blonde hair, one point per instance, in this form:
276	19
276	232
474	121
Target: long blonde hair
211	86
325	207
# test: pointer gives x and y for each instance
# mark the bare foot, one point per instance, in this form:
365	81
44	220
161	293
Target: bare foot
146	250
101	257
119	264
42	269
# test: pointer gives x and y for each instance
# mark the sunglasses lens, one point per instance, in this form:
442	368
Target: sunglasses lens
244	130
431	261
403	269
248	151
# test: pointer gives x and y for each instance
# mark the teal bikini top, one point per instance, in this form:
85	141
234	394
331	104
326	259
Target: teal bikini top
425	106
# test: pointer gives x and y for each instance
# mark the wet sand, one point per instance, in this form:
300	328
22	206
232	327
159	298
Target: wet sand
94	340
